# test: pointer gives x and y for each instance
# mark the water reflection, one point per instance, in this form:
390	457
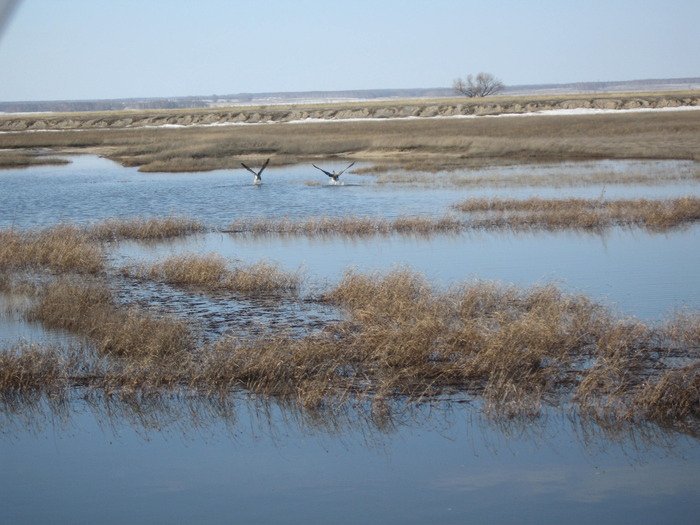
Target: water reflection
620	267
240	416
92	188
190	458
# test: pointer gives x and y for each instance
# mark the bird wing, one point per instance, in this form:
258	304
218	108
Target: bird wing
324	171
250	170
346	169
263	167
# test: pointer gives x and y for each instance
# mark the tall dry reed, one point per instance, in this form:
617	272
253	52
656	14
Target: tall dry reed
63	248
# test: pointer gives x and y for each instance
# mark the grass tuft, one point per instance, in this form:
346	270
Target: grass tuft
63	248
213	272
146	228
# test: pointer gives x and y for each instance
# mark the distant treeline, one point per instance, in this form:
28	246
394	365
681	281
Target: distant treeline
61	106
360	94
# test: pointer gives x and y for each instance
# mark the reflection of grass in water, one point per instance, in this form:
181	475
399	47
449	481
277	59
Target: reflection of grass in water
518	349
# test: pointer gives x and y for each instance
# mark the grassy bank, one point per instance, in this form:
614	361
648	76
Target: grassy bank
427	144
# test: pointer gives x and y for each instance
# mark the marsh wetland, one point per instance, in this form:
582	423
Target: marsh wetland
496	342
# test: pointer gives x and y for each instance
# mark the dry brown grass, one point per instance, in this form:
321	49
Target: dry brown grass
424	144
89	309
435	175
525	214
12	159
63	248
153	228
213	272
27	369
536	213
674	397
346	226
518	349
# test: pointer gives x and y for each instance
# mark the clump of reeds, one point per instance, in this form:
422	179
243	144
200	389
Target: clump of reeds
207	270
519	348
537	213
674	397
262	277
346	226
400	337
90	309
64	248
153	228
213	272
28	368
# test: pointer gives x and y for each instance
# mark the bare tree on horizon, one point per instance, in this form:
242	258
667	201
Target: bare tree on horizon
484	85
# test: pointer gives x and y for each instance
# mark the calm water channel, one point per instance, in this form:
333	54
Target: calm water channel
186	461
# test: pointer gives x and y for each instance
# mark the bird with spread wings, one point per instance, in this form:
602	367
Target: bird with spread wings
258	173
334	175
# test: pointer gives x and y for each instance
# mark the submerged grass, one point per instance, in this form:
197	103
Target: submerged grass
518	348
398	336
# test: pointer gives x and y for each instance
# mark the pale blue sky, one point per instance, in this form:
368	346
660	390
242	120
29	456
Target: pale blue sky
89	49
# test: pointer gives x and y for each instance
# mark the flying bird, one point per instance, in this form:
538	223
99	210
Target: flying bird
334	176
257	174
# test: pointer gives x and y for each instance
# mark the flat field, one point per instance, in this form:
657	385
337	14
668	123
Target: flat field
421	135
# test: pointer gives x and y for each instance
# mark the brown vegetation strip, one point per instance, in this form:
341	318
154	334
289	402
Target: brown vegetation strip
422	144
153	228
536	213
213	272
518	349
345	226
23	160
527	214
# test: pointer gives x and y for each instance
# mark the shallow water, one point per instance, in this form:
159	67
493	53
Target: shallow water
456	468
86	462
